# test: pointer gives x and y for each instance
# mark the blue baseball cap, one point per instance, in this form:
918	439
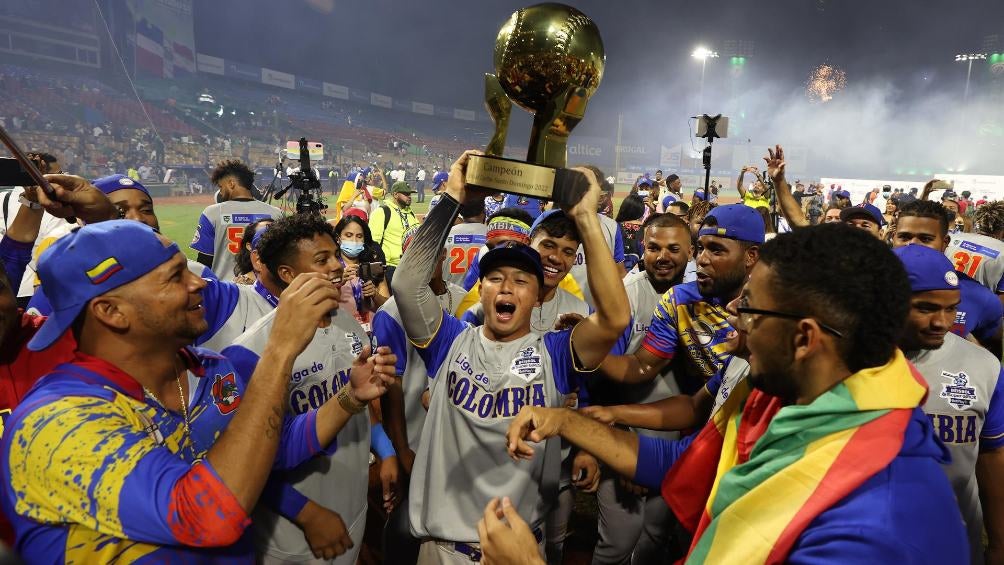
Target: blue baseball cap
735	221
440	178
866	211
842	194
258	233
91	261
927	268
547	214
645	182
112	183
512	254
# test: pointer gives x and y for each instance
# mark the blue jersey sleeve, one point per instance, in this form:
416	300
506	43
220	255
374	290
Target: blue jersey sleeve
434	353
15	256
563	365
618	249
623	343
208	273
388	332
663	332
655	456
470	318
220	299
281	497
991	313
473	273
205	236
992	436
299	440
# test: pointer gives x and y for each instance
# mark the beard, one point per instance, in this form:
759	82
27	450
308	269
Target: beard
724	284
774	376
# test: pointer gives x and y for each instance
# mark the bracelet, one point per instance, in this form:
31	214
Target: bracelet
349	404
25	202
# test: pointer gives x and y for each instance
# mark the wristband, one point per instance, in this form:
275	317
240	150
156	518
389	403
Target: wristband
381	443
349	404
25	202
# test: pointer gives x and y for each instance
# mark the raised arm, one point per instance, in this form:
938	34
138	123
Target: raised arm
639	367
740	185
789	206
593	337
421	312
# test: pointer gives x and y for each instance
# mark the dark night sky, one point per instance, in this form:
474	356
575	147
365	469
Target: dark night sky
436	50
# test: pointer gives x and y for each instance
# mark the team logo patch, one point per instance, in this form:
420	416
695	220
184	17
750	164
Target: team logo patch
526	365
226	218
958	393
225	393
195	238
357	344
104	270
951	278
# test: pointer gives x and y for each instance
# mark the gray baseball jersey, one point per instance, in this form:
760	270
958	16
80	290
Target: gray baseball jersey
245	304
643	299
979	256
612	233
967	415
543	317
221	228
388	330
339	481
462	245
733	372
478	387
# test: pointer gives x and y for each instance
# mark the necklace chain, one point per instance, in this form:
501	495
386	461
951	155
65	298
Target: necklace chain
181	397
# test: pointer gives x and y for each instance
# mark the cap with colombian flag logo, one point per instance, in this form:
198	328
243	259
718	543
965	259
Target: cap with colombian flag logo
91	261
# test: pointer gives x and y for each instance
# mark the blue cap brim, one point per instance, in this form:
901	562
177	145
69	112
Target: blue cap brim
55	325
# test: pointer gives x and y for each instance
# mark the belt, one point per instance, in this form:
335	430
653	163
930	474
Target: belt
473	550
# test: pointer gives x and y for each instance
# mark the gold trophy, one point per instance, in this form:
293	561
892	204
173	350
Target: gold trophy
548	60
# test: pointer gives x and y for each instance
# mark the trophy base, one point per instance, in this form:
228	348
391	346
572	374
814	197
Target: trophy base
564	186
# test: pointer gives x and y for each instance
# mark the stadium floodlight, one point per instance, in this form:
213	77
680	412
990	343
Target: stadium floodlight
968	58
703	54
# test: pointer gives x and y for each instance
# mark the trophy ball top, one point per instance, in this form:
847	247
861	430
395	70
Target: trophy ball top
543	50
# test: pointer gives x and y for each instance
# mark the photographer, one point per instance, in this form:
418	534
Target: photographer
364	268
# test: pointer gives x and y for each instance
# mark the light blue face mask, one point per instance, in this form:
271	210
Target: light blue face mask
352	248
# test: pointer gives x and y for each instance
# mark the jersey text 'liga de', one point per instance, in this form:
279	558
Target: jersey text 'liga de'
337	482
221	227
478	387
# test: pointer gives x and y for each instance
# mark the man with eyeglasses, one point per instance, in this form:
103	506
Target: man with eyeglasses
963	403
826	431
690	319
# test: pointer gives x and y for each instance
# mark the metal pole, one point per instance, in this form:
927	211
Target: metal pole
700	99
617	147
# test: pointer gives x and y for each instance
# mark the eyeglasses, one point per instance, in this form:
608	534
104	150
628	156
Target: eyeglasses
746	318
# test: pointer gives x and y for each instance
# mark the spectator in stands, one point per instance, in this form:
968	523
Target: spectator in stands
390	221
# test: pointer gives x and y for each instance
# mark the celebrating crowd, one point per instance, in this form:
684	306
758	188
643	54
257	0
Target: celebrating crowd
732	382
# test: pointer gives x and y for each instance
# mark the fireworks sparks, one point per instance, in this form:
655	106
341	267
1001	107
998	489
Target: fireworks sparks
824	82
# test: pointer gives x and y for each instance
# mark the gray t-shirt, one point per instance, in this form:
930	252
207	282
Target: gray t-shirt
338	482
221	228
966	415
388	330
462	245
478	387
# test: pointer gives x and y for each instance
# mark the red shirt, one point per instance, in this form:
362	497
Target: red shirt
19	369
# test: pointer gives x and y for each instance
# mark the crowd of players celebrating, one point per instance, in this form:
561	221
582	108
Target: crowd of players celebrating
827	394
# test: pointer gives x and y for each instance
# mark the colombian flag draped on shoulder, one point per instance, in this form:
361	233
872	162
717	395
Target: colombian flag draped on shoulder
796	461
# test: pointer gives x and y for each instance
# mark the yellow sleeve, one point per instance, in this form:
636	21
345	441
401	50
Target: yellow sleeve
472	297
569	285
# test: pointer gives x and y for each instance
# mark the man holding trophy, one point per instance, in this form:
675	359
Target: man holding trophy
549	59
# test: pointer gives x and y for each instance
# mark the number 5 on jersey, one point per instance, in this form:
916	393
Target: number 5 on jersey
234	236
